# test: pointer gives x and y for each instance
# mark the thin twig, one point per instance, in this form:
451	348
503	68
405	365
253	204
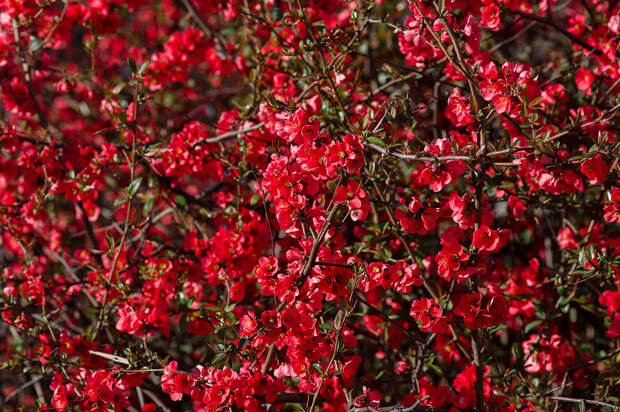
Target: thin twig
559	28
590	401
306	270
109	356
227	135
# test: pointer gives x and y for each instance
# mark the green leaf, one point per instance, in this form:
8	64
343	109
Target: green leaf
242	342
327	326
151	145
118	88
376	140
119	201
531	326
134	186
525	237
148	206
219	358
132	64
180	201
517	352
494	329
338	318
582	256
536	101
145	65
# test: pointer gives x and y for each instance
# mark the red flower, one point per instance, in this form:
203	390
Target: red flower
501	103
428	313
584	79
355	198
267	267
249	325
490	17
172	383
595	169
489	240
566	239
402	277
458	109
216	395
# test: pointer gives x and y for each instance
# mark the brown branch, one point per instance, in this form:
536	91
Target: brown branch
53	29
227	135
204	26
91	233
110	357
400	408
132	175
318	241
408	157
28	76
306	270
584	401
558	27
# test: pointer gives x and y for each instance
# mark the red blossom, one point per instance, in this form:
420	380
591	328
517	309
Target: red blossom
584	80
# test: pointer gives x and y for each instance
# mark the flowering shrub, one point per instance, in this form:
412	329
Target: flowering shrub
310	205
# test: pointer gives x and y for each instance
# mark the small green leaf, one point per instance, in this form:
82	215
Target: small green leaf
145	65
219	358
148	206
582	257
376	140
151	145
531	326
242	341
134	186
180	201
119	201
327	326
132	64
536	101
497	328
517	352
338	318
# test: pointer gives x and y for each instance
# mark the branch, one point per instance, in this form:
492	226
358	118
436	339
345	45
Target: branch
26	385
204	26
28	76
91	234
191	9
110	357
309	264
584	401
416	407
403	156
227	135
559	28
318	241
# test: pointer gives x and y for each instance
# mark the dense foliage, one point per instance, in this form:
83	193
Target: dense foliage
329	205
